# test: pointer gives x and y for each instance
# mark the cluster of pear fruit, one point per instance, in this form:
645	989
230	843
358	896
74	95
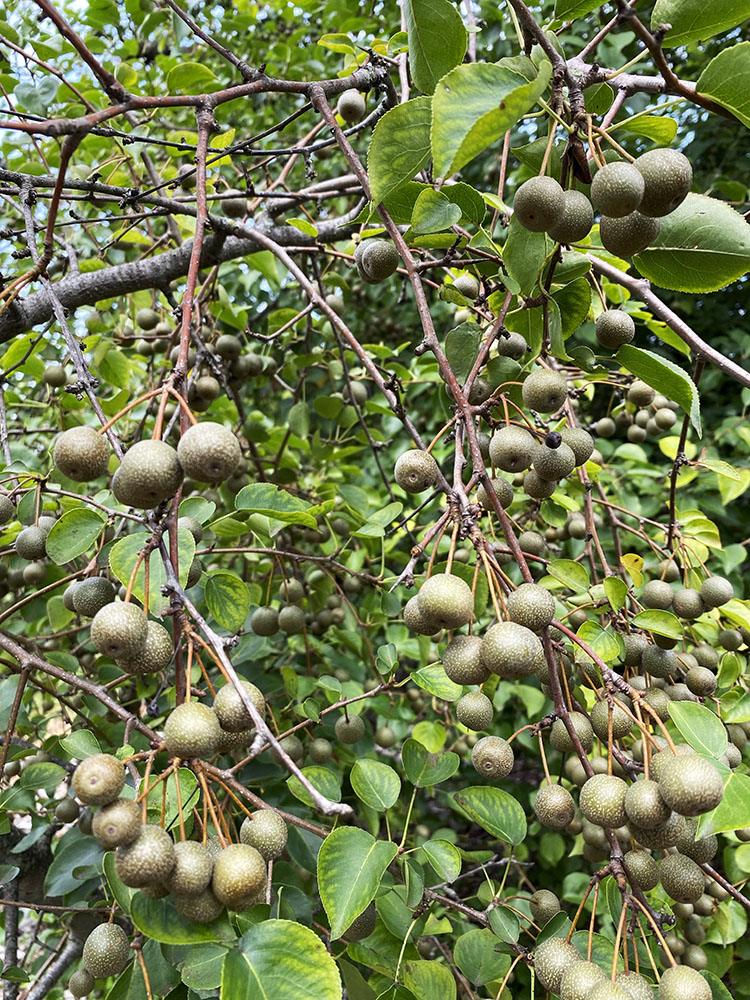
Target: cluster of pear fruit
632	198
204	878
291	617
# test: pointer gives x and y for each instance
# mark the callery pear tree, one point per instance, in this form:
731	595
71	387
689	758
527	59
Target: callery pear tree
373	498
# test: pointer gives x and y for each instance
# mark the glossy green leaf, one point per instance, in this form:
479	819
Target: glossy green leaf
495	811
568	9
661	622
570	573
725	80
74	533
124	555
159	919
375	784
478	955
700	727
203	965
693	20
523	255
616	591
424	768
437	40
429	980
604	642
228	599
280	960
733	812
505	924
321	778
461	348
664	376
444	858
44	775
434	679
702	246
399	148
351	864
190	78
474	105
658	128
80	743
119	890
267	499
433	213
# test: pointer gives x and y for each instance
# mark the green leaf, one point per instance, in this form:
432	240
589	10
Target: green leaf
375	784
660	622
461	348
444	858
73	534
693	20
570	573
664	376
424	768
8	873
280	960
478	956
434	679
718	989
159	919
568	9
75	861
44	775
523	255
429	981
124	555
190	78
228	599
400	147
574	301
658	128
504	924
267	499
321	778
474	105
119	890
725	79
80	743
495	811
437	40
733	812
202	967
698	725
616	591
433	213
351	864
603	642
702	246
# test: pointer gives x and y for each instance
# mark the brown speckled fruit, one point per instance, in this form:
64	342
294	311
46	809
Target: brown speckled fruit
690	785
462	660
155	654
363	925
554	806
415	471
511	650
98	780
106	951
192	870
493	757
209	452
150	858
230	710
266	831
681	878
531	605
239	871
192	730
446	600
683	983
202	908
81	983
602	800
578	979
119	630
543	905
116	824
551	959
81	454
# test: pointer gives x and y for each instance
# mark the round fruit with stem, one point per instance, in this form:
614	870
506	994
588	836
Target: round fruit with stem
462	660
119	630
192	871
351	106
577	218
614	328
192	730
266	831
239	872
531	605
106	951
511	650
543	904
551	959
544	390
554	806
512	449
155	654
117	823
230	709
209	452
92	594
617	189
493	757
579	979
81	983
416	471
629	235
349	730
668	176
602	800
446	600
98	780
149	858
539	204
474	710
690	785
